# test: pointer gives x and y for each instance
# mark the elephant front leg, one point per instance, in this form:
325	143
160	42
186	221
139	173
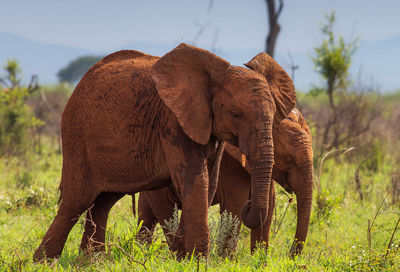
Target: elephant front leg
261	235
189	174
195	217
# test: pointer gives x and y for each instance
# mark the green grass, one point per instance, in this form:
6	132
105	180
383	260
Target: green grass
337	239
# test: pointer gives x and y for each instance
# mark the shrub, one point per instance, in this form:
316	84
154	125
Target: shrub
224	237
172	224
34	197
16	118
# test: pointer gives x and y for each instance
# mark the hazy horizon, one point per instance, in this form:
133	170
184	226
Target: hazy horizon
236	29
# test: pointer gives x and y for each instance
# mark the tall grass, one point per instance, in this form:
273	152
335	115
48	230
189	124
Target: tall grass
338	238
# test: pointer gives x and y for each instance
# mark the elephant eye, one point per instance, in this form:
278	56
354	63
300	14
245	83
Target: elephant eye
288	159
236	115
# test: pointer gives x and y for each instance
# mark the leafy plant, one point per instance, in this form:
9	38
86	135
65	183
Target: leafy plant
34	197
333	58
224	236
16	118
172	224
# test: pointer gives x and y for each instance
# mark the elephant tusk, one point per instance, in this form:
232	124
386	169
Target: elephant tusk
243	160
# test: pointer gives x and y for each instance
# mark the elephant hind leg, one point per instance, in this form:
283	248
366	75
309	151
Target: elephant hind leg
54	240
77	194
147	218
96	221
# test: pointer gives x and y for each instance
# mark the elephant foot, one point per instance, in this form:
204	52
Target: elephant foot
177	246
42	256
296	249
197	250
182	254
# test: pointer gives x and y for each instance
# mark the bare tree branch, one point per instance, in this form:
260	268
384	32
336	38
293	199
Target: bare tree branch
293	67
33	84
274	27
199	33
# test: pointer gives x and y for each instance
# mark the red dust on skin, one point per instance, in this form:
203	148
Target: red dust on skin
138	122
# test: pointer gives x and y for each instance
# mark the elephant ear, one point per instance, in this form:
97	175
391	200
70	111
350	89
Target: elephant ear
280	83
184	78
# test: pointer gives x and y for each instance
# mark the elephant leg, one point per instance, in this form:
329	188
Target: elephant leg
96	221
177	241
78	194
261	235
195	216
54	240
158	206
147	219
187	164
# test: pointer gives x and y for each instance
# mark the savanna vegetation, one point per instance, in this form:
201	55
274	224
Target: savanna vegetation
354	224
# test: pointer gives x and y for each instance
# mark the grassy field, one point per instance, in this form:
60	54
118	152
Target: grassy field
341	237
355	206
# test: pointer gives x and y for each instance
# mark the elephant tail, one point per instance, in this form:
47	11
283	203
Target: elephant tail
133	205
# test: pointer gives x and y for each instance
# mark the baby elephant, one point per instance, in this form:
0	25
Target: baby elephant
293	169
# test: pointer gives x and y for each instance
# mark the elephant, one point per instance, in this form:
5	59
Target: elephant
138	122
293	170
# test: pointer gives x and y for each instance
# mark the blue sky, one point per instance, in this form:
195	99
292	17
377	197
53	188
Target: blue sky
237	27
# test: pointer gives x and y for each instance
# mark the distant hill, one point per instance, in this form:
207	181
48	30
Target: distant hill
379	60
37	58
46	59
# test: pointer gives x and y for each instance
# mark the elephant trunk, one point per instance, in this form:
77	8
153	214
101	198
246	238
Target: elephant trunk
304	200
261	161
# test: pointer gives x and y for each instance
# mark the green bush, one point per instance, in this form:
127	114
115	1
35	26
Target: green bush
16	118
224	236
34	197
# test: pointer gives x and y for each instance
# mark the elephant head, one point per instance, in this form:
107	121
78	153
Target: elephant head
208	97
293	169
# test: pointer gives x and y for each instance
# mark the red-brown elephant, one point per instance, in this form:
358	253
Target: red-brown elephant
135	122
292	170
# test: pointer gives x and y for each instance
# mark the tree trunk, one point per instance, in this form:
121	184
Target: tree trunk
274	26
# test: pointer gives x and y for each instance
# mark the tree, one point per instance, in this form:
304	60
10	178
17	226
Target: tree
333	59
352	107
74	71
274	27
13	72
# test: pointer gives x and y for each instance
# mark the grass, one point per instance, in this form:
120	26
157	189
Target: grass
338	236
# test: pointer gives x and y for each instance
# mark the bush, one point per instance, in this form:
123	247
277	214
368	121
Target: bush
34	197
224	237
16	118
